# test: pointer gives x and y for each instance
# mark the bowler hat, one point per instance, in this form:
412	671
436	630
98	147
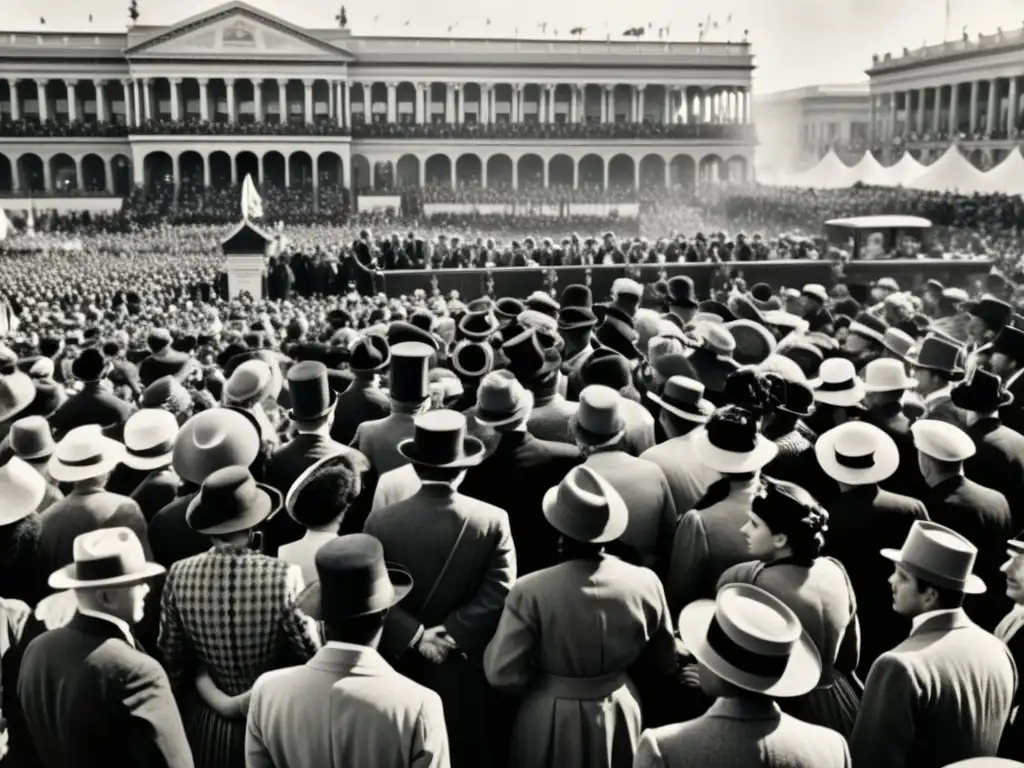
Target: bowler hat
89	366
678	291
607	367
440	440
528	358
230	500
308	388
940	556
30	438
408	379
370	354
578	296
983	393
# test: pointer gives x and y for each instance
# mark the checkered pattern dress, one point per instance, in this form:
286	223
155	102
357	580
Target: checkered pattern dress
231	611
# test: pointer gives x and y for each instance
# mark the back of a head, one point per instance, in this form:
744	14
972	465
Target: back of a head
327	495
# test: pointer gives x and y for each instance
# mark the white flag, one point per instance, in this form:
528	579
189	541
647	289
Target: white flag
252	203
5	225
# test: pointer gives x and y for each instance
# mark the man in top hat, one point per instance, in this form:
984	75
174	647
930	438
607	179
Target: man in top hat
730	637
680	299
939	363
944	693
363	400
460	554
94	404
988	316
1007	362
537	368
91	696
409	392
347	706
576	322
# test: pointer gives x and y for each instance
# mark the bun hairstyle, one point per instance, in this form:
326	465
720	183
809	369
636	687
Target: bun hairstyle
788	509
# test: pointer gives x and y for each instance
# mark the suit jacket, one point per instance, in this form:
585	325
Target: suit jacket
1012	744
378	440
91	699
688	479
940	696
92	405
550	417
942	409
360	402
345	707
742	732
156	491
998	463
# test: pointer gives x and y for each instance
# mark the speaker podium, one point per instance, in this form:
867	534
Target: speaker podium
245	251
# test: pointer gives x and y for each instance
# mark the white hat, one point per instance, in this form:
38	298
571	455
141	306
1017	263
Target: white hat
817	291
838	383
108	557
84	453
252	379
149	439
784	319
941	440
733	446
22	489
887	374
627	286
857	453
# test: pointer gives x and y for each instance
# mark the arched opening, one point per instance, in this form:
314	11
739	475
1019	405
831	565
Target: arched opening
191	168
622	172
158	168
328	169
439	170
711	169
383	176
6	174
300	170
247	164
63	173
30	172
737	169
591	171
468	170
407	171
94	173
360	173
531	171
652	172
121	167
220	169
560	171
683	172
499	171
273	170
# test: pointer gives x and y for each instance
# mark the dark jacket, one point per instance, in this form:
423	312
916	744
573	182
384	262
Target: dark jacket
360	402
998	463
90	406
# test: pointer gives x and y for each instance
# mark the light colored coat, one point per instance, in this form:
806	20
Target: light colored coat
395	486
378	440
345	707
688	478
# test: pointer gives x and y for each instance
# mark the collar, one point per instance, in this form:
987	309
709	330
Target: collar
121	624
323	431
745	708
322	535
939	394
950	614
338	645
339	658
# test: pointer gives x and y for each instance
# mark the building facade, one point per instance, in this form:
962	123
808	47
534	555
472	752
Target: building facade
967	90
236	91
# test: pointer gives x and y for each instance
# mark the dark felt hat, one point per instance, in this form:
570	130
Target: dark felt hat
370	354
478	326
229	501
576	295
678	291
440	440
310	393
994	312
400	332
982	393
89	366
528	358
409	380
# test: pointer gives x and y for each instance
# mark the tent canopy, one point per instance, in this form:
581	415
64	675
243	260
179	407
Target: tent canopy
829	173
869	171
951	172
1006	178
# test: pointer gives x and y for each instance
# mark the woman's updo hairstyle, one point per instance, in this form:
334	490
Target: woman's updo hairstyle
788	509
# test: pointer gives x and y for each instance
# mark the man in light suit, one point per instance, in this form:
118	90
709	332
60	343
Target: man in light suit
943	694
346	706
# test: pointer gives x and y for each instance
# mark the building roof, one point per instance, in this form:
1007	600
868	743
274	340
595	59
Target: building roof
823	91
964	48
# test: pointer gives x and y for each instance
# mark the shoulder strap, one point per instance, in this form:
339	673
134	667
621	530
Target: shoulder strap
444	568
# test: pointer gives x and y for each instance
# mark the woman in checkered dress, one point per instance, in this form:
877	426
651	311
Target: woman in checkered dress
229	614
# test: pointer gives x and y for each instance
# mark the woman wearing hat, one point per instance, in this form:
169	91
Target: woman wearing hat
785	532
22	490
570	633
229	613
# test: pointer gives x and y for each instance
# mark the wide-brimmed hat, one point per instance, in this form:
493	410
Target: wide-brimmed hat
408	378
598	420
251	380
857	453
731	444
838	383
528	358
17	391
105	558
995	312
84	453
30	438
309	391
472	359
478	326
982	393
440	440
754	342
149	437
940	556
887	374
869	326
899	343
502	399
571	318
585	507
229	501
212	440
683	396
937	353
678	291
370	354
22	489
753	640
353	580
942	441
717	308
799	398
90	365
786	321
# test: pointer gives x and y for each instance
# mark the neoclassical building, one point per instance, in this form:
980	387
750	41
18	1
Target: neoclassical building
237	91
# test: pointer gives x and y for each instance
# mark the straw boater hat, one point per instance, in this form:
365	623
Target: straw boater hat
22	489
585	507
684	397
84	453
598	420
105	558
753	640
940	556
857	453
887	374
440	441
231	501
149	437
838	383
942	441
731	444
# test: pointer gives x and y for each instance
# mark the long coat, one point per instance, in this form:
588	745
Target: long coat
93	405
345	707
688	478
569	637
91	699
940	696
998	463
1012	744
378	440
360	402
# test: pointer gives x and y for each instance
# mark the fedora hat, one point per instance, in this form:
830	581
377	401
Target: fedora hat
937	353
82	454
229	501
798	399
370	354
478	326
598	420
754	342
1010	342
251	380
982	393
898	342
805	354
212	440
309	391
90	365
752	640
731	444
30	438
472	360
502	399
22	489
107	557
683	396
678	291
941	440
887	374
528	358
838	383
149	437
857	453
577	297
408	377
17	391
440	440
585	507
940	556
995	312
607	367
869	327
353	580
571	318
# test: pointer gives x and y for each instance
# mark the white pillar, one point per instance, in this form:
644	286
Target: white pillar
991	121
604	104
257	99
640	103
573	103
666	107
392	114
147	93
309	100
368	105
485	106
418	104
282	100
175	84
129	117
633	103
331	107
449	103
346	89
975	97
1012	106
72	99
229	90
460	95
204	100
542	103
44	108
101	101
954	109
12	83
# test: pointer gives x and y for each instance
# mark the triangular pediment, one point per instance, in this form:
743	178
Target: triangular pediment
236	30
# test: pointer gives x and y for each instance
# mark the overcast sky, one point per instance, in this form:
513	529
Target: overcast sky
796	42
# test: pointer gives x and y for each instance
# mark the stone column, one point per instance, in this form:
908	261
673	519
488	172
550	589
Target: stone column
331	108
636	174
515	173
542	103
919	111
78	174
392	114
12	84
72	94
308	113
207	173
483	174
44	107
460	97
544	174
449	102
101	101
640	102
954	109
137	102
668	175
175	84
892	115
282	100
575	173
346	89
991	121
204	99
666	105
368	104
937	110
609	97
574	91
229	90
975	98
147	97
257	100
129	117
516	106
110	178
47	177
418	105
1012	106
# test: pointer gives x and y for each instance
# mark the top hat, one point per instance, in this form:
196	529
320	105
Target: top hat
940	354
370	354
30	438
940	556
440	441
678	291
214	439
571	318
149	436
857	453
22	488
408	378
84	453
17	391
107	557
942	441
310	393
586	507
982	393
353	580
870	327
229	501
528	358
578	296
478	326
502	399
89	366
1010	342
598	420
472	360
401	332
838	383
508	309
731	444
993	311
684	397
752	640
887	374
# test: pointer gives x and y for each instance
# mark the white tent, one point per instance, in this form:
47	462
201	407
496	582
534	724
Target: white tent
829	173
950	173
869	171
1007	177
901	172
